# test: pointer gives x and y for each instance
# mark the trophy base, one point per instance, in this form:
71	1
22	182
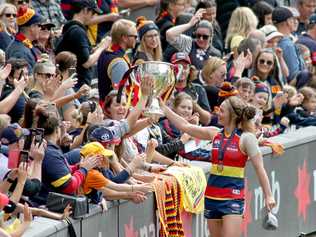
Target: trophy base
154	110
153	113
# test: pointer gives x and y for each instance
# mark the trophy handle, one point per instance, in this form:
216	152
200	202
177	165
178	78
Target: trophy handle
126	78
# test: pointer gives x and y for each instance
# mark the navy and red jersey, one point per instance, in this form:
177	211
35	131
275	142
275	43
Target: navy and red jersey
226	181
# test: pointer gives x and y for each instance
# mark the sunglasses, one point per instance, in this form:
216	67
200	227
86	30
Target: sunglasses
47	75
8	15
204	37
134	36
20	2
267	62
45	28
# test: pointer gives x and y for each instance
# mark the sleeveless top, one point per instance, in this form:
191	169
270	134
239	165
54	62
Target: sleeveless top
226	181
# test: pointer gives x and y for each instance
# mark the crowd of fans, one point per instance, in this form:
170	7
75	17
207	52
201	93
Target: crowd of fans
61	63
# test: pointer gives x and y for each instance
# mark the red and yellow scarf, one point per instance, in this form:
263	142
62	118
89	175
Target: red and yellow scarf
22	38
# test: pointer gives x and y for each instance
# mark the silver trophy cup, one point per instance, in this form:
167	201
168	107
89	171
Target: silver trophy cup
164	79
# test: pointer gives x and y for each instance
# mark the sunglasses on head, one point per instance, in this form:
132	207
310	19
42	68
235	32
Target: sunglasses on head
204	37
267	62
47	75
8	15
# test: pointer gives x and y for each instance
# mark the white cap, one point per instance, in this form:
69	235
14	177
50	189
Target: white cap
270	32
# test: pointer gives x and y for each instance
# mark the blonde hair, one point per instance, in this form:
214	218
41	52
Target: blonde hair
156	54
120	28
211	65
43	63
242	21
5	6
290	90
308	93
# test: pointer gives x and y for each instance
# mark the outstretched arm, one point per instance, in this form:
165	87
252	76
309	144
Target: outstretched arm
204	133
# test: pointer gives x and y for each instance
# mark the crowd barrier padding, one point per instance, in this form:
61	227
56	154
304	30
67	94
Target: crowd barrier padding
292	178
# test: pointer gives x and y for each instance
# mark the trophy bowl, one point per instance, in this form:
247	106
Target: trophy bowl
163	76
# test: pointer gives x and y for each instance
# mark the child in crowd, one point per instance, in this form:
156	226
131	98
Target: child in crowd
309	101
302	109
245	87
96	181
260	101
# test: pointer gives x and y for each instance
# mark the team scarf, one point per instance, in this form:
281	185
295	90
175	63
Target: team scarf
22	38
166	14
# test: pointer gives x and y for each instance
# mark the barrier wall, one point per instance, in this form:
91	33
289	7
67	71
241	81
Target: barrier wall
293	182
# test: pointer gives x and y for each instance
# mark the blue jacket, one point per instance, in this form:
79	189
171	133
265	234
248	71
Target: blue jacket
292	57
17	49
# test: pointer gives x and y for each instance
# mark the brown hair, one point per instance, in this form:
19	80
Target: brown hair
242	113
65	60
108	101
245	82
180	97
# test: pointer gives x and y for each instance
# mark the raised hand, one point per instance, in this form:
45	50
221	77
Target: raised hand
37	151
70	82
197	16
5	71
90	162
27	214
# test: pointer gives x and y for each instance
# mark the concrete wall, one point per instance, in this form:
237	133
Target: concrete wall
292	177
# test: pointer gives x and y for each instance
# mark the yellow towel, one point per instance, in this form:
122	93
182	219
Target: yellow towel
192	183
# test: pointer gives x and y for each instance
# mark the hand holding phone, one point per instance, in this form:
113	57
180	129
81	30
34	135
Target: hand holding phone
28	139
39	136
72	70
24	156
16	157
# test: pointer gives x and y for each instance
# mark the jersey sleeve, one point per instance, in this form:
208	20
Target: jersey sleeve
249	144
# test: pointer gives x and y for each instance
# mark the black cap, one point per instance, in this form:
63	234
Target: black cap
281	14
90	4
48	24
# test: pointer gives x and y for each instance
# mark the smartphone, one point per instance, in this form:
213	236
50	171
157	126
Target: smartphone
93	106
28	139
13	159
125	12
21	74
24	157
72	70
39	135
